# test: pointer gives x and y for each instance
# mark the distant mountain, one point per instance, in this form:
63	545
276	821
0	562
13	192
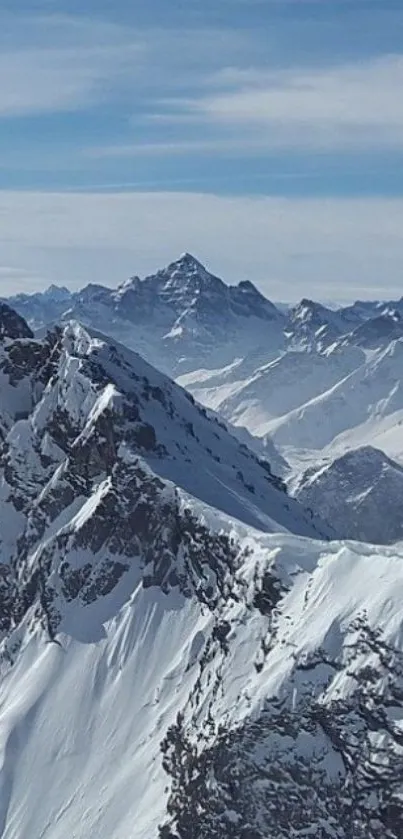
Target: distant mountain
313	325
185	318
276	388
42	308
359	493
182	656
350	412
296	375
377	332
12	325
363	310
179	316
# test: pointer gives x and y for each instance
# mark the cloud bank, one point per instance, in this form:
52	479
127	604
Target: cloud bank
333	248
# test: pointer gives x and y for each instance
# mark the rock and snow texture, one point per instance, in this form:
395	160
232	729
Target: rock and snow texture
274	390
308	378
298	385
175	663
184	315
360	493
269	708
177	317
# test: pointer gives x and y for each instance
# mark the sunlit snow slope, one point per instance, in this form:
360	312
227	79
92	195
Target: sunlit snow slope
182	654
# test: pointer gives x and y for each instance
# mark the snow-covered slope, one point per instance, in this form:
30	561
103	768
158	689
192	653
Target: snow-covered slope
270	709
361	493
360	400
314	402
274	389
168	670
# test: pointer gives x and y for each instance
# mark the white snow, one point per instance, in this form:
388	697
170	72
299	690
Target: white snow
81	721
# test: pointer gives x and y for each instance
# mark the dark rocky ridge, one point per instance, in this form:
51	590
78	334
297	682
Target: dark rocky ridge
77	436
12	325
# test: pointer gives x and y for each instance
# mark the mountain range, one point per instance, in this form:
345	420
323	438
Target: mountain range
193	645
184	315
277	373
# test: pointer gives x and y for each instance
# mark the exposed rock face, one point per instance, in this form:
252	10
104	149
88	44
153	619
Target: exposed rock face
12	325
315	759
360	493
181	655
183	318
181	315
90	438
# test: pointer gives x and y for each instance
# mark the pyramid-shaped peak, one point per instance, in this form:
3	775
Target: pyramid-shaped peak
190	261
187	265
188	275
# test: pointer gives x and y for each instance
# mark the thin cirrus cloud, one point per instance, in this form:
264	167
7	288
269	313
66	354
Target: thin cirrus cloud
55	64
341	108
190	100
344	107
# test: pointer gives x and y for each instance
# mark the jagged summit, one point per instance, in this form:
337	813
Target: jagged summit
181	313
191	262
308	309
185	277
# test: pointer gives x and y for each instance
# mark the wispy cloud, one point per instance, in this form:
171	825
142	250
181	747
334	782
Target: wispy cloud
178	148
55	63
244	110
348	106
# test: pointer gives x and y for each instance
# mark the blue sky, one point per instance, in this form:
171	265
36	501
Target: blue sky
265	135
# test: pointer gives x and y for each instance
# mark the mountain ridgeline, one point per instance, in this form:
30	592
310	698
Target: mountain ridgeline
184	316
186	649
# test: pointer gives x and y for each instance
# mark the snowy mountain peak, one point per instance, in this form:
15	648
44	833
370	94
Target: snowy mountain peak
313	325
190	262
187	276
